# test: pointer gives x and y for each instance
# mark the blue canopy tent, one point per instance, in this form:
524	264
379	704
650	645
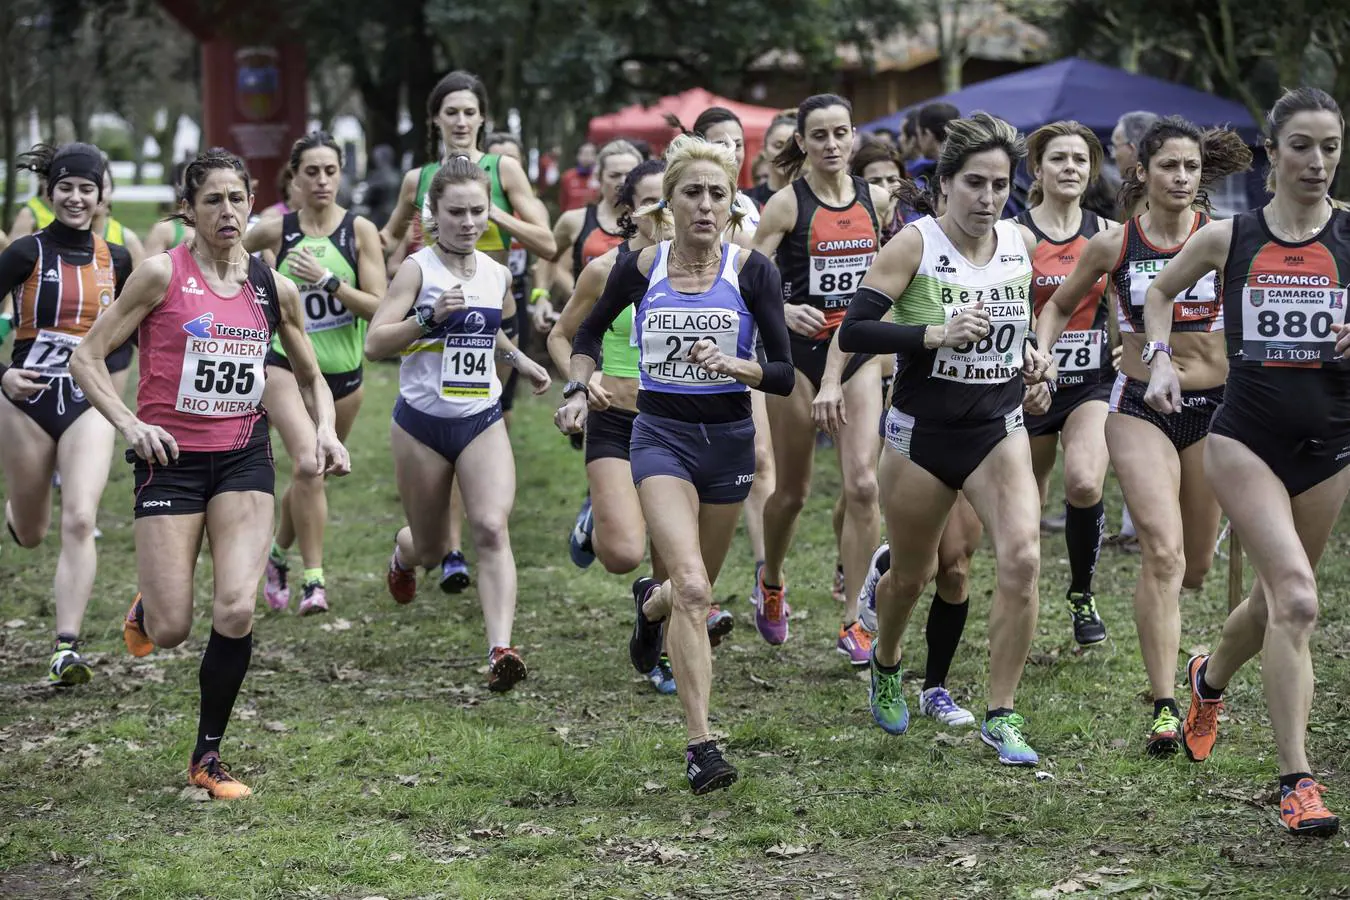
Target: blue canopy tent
1094	94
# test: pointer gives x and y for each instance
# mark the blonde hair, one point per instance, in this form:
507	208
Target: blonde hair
618	147
1039	141
683	152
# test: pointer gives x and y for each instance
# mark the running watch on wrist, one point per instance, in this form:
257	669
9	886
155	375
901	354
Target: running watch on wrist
1152	349
424	319
573	387
330	283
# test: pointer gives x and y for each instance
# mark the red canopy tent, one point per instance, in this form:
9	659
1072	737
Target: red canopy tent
649	123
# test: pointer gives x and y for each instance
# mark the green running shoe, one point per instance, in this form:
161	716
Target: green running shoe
1164	738
887	700
1004	734
67	666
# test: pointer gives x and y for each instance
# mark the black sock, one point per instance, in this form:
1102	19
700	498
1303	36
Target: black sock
72	639
1206	690
995	713
1291	780
14	534
222	673
946	622
1083	530
885	670
1168	703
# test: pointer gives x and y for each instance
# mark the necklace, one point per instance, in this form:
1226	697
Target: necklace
230	264
1293	236
462	260
695	267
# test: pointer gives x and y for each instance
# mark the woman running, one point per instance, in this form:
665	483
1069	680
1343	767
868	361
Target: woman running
959	290
777	136
115	233
1178	524
443	313
202	457
878	163
586	233
698	303
1280	442
458	108
62	278
823	234
333	256
1065	158
34	215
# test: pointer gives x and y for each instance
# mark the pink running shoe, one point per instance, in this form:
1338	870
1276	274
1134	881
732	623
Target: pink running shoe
275	590
772	612
316	600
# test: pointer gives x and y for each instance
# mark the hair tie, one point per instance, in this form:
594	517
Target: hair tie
661	205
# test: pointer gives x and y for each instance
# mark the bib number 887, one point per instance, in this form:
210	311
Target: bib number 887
224	376
1294	324
837	283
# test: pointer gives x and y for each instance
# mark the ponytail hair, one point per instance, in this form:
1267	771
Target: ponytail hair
1222	153
793	157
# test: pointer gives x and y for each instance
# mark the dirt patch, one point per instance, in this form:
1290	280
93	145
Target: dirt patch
39	881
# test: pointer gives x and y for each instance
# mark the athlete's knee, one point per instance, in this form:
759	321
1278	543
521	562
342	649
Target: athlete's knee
788	499
305	468
905	587
168	629
622	554
763	462
693	593
861	489
232	619
1164	560
1197	566
28	534
1019	566
1293	605
77	525
489	533
1082	489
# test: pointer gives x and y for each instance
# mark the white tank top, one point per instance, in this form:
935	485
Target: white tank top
452	373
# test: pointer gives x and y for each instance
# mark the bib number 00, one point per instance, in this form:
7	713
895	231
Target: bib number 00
324	312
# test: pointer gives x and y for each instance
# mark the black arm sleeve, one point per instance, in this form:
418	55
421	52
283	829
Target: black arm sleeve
762	288
121	258
863	330
17	262
625	286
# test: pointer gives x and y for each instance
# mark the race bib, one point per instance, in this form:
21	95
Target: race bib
221	377
667	336
1291	324
1078	352
836	278
995	358
324	311
466	366
1197	303
49	355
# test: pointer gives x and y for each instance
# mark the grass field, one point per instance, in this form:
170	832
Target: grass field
383	768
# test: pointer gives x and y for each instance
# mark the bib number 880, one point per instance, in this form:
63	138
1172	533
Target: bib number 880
1000	339
1294	324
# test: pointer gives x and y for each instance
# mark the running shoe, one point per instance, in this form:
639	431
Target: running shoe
837	592
879	565
887	700
937	703
213	775
133	630
274	589
661	677
720	623
579	543
68	667
855	644
772	612
644	647
1087	625
759	576
1164	737
1303	812
1202	717
316	599
1004	734
402	582
454	572
505	668
706	769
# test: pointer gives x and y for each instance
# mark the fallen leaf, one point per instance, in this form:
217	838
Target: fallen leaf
1113	870
963	862
276	727
409	780
533	829
718	815
395	857
767	685
1121	887
194	794
786	851
485	833
652	787
1044	776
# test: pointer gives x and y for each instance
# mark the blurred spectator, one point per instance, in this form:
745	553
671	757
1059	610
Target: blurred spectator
381	186
908	142
578	186
930	130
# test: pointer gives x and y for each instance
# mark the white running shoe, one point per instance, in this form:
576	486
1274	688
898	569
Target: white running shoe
936	703
867	597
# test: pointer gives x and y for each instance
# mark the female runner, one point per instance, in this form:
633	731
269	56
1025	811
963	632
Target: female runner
586	233
1177	525
777	136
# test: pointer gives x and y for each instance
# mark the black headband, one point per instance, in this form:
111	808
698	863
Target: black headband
76	162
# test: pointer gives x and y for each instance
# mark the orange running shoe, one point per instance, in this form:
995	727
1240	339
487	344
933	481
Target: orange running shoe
1202	718
402	582
210	773
1303	812
133	630
505	668
855	645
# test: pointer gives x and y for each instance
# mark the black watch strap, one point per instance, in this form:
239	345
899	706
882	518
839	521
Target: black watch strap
575	387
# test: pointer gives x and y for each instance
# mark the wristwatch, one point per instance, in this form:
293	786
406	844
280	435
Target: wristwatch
573	387
331	283
1152	349
424	320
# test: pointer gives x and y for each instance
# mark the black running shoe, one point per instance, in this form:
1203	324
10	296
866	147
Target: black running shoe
644	647
1087	625
706	769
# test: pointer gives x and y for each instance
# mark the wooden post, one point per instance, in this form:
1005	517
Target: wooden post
1235	591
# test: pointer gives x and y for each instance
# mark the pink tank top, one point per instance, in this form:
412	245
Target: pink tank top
202	357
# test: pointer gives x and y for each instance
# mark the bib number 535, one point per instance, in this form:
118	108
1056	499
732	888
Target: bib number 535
224	376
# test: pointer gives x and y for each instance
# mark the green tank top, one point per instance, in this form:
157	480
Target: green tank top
179	233
338	334
494	240
619	355
42	213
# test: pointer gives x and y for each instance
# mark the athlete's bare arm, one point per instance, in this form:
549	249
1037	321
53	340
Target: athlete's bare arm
1098	258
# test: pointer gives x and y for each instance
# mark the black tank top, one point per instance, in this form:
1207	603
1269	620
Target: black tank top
828	252
1280	299
1199	309
592	242
1082	351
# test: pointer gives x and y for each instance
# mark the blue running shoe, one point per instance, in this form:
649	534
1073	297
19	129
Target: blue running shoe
454	572
887	700
579	541
662	678
867	597
1004	734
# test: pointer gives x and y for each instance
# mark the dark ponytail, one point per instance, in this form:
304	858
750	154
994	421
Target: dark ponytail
1222	153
